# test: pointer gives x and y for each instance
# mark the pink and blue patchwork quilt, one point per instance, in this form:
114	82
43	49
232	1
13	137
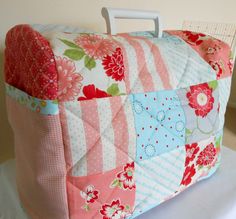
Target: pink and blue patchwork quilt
110	126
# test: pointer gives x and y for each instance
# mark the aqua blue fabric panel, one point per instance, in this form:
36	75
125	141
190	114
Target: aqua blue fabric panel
185	65
159	123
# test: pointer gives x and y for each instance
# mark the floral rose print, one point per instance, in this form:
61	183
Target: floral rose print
91	92
90	194
211	50
207	156
201	99
113	211
218	67
95	46
188	174
69	83
193	38
114	66
191	151
125	178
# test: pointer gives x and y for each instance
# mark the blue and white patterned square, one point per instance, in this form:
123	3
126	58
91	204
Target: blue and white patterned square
159	123
158	179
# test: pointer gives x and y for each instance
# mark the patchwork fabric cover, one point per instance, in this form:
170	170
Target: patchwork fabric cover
111	126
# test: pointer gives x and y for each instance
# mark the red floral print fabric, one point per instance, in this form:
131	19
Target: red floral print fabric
90	92
218	67
201	99
193	38
113	210
90	195
188	174
191	151
207	156
114	65
126	177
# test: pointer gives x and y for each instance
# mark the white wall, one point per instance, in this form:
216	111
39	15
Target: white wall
86	13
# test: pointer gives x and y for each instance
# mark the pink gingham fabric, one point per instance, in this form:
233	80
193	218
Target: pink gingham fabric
40	162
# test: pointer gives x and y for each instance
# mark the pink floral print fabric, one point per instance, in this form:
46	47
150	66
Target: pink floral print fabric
95	46
125	178
69	83
100	196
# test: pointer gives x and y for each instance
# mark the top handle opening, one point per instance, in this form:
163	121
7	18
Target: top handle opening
110	14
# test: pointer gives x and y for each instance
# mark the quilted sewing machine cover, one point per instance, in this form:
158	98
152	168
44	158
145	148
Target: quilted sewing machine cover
111	126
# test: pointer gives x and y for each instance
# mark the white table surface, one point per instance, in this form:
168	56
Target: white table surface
214	198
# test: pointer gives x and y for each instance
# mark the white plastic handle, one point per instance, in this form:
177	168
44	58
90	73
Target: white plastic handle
110	14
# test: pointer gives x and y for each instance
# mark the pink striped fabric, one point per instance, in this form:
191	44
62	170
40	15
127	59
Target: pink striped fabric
66	138
144	74
120	127
159	62
101	138
92	133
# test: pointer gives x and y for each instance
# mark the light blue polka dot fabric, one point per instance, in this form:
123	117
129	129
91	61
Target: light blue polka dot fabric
159	122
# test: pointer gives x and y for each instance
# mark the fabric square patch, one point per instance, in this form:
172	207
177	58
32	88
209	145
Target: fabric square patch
201	107
202	159
158	179
101	134
159	122
107	195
